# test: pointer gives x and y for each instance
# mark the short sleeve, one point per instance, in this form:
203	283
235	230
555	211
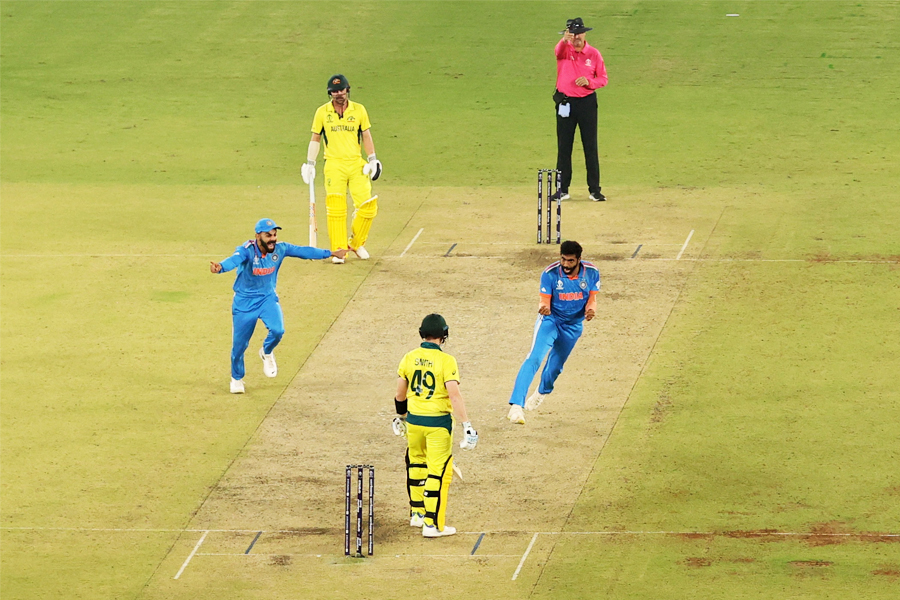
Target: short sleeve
451	369
364	123
318	123
547	283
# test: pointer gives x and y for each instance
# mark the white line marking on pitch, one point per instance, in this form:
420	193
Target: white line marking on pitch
412	242
489	532
685	245
524	556
191	555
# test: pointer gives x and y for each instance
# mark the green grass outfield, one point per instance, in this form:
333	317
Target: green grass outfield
756	456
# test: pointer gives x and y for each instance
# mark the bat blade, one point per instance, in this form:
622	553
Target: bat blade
313	228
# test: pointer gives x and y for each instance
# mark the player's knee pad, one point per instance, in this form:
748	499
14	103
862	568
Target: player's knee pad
336	205
368	209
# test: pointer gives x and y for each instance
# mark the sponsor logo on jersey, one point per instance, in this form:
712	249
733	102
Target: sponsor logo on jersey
559	284
587	62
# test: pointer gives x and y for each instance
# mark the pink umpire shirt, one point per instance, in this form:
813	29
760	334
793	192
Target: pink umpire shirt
570	65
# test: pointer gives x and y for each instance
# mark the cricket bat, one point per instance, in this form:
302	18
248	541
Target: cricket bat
313	228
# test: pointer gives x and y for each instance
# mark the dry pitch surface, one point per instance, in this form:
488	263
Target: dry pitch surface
276	518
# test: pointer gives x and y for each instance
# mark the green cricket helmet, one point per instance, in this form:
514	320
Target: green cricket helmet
337	83
434	326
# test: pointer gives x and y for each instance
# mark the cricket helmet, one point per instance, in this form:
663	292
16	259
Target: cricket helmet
434	326
338	82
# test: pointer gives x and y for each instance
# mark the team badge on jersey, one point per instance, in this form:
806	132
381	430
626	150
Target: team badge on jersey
583	284
275	259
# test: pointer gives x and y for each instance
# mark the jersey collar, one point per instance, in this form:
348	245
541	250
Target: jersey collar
577	273
350	106
431	345
258	250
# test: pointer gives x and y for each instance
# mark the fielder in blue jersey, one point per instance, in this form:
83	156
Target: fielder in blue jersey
257	262
569	289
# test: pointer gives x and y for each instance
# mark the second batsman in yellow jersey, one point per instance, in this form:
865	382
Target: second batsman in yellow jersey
426	399
345	128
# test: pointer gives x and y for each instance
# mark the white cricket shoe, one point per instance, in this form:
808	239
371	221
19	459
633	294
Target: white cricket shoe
237	386
534	400
430	531
361	252
516	415
269	366
337	261
416	520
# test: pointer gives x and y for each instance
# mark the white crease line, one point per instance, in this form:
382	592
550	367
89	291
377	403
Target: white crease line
524	556
487	531
412	242
323	554
685	245
191	555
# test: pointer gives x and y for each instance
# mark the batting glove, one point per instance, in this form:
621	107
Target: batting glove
398	425
372	168
308	171
470	438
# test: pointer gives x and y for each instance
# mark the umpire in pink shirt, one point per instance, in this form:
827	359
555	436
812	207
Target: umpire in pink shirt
579	71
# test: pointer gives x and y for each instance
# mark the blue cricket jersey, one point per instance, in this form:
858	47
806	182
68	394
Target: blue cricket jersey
569	297
257	273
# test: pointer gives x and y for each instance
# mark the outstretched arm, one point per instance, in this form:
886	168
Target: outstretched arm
310	253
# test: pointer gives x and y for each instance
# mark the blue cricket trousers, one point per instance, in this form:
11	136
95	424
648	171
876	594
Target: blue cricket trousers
244	323
550	336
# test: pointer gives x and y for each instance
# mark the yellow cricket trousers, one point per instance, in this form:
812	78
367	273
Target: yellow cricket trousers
429	469
341	175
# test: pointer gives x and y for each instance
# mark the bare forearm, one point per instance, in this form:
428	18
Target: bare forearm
458	404
368	142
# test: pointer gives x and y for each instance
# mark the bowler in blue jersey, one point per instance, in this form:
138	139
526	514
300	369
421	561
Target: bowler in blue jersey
569	289
257	262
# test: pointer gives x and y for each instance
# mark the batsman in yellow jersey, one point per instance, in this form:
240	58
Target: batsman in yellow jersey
344	125
427	398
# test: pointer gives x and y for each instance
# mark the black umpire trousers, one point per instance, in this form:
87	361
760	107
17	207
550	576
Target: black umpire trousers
583	115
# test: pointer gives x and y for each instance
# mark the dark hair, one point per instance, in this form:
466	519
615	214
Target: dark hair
569	248
435	327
